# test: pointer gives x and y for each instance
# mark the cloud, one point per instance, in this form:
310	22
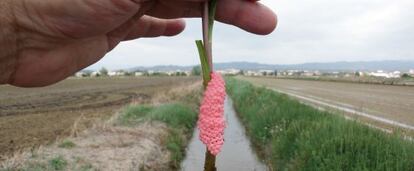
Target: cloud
308	31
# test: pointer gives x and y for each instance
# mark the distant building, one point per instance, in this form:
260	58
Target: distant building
173	73
252	73
360	74
293	72
317	73
396	74
267	72
139	74
116	73
96	74
381	73
170	73
231	71
307	73
81	74
411	72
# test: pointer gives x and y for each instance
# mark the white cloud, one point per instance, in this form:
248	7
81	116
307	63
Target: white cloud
308	31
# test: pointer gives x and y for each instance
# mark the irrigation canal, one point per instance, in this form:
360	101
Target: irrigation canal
236	154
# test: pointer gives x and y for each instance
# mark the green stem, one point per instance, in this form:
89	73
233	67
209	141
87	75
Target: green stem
212	15
206	59
205	67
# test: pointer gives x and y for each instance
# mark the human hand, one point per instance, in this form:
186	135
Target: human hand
56	38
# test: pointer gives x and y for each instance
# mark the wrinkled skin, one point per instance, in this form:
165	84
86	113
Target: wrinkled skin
56	38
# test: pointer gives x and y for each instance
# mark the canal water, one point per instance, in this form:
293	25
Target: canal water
236	153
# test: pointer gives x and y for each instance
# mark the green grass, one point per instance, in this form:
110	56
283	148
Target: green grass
294	136
179	118
53	164
58	163
175	115
176	145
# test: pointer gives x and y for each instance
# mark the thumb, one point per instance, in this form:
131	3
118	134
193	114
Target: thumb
81	18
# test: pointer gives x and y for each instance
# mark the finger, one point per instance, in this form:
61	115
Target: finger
250	16
144	26
154	27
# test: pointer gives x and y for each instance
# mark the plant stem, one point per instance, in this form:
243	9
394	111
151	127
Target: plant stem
204	62
206	58
206	33
212	16
210	162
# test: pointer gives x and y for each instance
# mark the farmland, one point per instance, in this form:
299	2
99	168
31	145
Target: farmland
33	117
147	122
384	101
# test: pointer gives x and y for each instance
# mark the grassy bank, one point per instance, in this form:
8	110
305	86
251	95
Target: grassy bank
293	136
177	110
179	118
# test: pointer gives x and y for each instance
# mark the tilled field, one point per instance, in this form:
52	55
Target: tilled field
32	117
394	103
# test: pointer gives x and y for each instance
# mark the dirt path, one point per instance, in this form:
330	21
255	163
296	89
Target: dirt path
326	104
32	117
392	103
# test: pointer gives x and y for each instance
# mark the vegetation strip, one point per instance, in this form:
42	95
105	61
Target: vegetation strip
294	136
179	118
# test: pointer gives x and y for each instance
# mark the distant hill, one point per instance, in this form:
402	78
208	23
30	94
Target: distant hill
161	68
390	65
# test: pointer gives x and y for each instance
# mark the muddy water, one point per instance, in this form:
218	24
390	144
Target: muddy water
236	153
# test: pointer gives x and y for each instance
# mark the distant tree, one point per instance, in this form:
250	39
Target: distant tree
275	72
178	73
145	73
103	71
241	72
158	74
196	71
357	74
405	75
128	73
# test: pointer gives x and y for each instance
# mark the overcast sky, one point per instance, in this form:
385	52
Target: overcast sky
308	31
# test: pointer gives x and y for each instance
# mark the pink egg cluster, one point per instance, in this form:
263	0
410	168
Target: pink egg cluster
211	122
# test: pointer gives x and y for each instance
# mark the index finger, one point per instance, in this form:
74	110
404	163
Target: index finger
245	14
248	15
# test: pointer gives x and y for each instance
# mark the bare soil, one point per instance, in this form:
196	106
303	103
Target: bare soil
103	147
386	101
33	117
